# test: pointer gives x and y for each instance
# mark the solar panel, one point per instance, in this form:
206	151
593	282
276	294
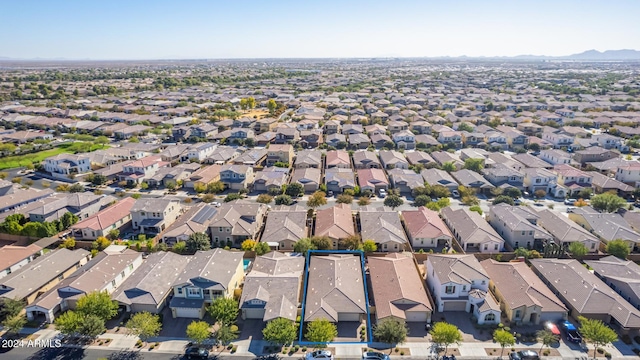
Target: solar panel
206	213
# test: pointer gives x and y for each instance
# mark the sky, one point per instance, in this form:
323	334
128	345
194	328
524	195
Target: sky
183	29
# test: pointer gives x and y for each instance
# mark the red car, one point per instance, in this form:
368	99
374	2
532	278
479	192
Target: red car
553	328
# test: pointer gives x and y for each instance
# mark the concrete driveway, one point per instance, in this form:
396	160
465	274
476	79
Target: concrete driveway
463	321
250	329
348	331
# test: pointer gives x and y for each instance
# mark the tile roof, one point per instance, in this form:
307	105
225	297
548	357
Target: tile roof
285	225
11	254
211	269
424	223
335	222
382	227
107	217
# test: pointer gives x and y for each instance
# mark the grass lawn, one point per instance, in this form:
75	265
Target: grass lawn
12	162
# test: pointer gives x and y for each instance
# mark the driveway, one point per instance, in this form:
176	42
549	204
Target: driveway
348	331
417	332
250	329
177	328
463	321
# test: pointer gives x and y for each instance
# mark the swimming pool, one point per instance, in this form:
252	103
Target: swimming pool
245	264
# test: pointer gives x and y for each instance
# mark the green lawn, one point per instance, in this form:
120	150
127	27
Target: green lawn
12	162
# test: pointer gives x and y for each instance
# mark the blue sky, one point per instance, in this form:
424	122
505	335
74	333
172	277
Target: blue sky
177	29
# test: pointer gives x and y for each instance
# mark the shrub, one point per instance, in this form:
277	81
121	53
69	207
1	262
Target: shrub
396	349
402	353
546	352
600	351
304	349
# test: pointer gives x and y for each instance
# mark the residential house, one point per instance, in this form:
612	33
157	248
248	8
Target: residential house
398	290
209	275
472	180
404	139
609	141
335	222
531	161
586	295
42	274
372	179
339	179
523	297
203	177
195	220
332	127
419	157
472	231
67	165
555	157
623	276
251	157
565	231
285	227
236	177
241	134
154	215
385	229
603	183
352	129
222	155
199	152
405	180
504	176
137	171
169	176
606	226
308	159
450	137
287	135
272	288
112	218
311	138
573	179
426	229
337	140
104	272
237	221
82	205
149	287
558	140
542	179
309	178
271	178
516	139
629	173
335	289
280	153
594	154
358	141
460	283
443	157
13	257
439	177
396	127
380	140
392	159
517	227
337	159
366	160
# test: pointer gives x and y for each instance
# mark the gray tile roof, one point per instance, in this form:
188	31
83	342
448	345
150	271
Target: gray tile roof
563	229
285	225
623	274
211	269
470	226
382	227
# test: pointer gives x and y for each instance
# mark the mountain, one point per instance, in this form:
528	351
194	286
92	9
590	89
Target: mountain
624	54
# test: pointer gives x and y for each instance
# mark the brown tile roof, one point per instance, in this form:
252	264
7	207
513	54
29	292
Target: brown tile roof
107	217
397	286
424	223
335	222
521	287
207	174
583	291
11	255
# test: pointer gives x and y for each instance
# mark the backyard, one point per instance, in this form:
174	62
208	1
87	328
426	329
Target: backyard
12	162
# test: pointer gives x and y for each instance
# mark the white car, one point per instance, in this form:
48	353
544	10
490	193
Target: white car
374	355
382	193
216	204
319	355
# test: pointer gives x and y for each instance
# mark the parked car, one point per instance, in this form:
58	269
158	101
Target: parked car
570	201
382	193
195	352
118	189
553	328
319	355
216	204
524	355
455	193
570	331
374	355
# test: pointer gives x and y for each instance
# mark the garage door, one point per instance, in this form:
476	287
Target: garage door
187	312
416	316
455	306
348	317
253	313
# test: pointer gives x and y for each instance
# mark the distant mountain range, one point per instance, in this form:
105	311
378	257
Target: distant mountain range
589	55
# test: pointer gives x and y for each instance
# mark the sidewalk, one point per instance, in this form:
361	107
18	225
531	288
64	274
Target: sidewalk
418	350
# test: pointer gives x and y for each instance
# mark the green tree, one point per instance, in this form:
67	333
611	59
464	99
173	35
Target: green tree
280	331
199	188
10	307
474	164
607	202
391	331
272	105
14	324
215	187
232	197
547	338
226	334
321	331
344	199
513	192
144	325
393	201
99	179
198	331
97	303
224	310
264	198
283	200
113	234
248	245
179	247
68	219
322	242
144	185
68	243
369	246
198	241
443	333
317	199
476	208
503	199
540	193
578	249
504	338
303	245
351	243
440	191
68	322
295	189
101	140
421	200
449	166
262	248
618	248
76	188
596	332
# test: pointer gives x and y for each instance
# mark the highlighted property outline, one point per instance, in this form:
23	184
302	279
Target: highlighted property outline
304	295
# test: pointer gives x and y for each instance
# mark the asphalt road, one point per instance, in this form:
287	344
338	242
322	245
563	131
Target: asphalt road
63	353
